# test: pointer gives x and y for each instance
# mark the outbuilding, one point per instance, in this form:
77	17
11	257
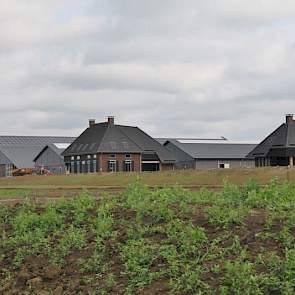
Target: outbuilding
209	153
50	158
277	149
19	152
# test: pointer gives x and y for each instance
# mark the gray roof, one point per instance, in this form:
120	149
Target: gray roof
33	140
53	147
110	138
21	155
163	140
21	150
222	150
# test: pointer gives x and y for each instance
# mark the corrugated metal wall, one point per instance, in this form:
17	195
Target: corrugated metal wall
52	161
215	164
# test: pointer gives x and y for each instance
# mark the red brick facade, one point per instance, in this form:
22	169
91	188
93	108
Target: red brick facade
120	159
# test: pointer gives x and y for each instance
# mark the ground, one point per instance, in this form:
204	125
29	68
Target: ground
235	240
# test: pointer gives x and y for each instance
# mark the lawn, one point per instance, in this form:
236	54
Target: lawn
237	240
184	178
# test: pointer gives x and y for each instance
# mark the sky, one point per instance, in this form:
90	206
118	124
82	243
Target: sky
192	68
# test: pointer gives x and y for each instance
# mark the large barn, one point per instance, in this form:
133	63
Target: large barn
209	153
17	152
108	147
277	149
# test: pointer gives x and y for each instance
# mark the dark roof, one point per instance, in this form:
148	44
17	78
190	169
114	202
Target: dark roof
217	150
283	138
21	150
110	138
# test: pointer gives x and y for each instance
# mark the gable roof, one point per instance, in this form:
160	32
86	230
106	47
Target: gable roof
21	150
222	149
54	147
281	138
110	138
21	155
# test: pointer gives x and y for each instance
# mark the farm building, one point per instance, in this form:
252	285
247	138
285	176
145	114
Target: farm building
209	154
17	152
50	158
277	149
108	147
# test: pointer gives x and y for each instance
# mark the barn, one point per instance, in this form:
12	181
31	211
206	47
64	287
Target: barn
278	148
17	152
50	158
209	153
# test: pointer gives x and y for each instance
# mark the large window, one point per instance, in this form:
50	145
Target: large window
83	167
72	167
112	166
78	167
128	166
94	166
88	168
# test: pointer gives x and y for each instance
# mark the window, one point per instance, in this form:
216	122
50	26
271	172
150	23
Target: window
94	156
88	156
78	167
88	168
128	166
112	156
112	166
83	167
72	167
78	157
72	158
94	166
128	156
224	165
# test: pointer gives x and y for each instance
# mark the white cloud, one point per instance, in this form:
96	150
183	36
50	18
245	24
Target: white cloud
192	68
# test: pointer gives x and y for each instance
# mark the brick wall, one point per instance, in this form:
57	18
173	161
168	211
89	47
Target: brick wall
105	158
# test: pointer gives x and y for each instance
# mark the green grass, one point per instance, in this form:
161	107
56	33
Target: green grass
238	240
13	193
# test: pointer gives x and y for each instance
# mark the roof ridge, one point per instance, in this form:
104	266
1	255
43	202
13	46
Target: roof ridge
106	130
265	139
119	126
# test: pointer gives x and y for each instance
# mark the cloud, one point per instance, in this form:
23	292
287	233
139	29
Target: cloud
194	68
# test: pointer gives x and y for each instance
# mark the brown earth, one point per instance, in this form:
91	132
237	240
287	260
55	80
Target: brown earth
38	276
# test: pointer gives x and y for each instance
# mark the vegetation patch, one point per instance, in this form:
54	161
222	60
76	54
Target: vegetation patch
239	240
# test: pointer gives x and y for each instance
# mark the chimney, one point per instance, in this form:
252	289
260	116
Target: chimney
111	120
289	118
91	122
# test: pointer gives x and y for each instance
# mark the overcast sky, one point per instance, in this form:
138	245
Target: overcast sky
191	68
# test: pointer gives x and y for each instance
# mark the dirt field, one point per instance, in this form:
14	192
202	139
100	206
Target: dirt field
237	240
